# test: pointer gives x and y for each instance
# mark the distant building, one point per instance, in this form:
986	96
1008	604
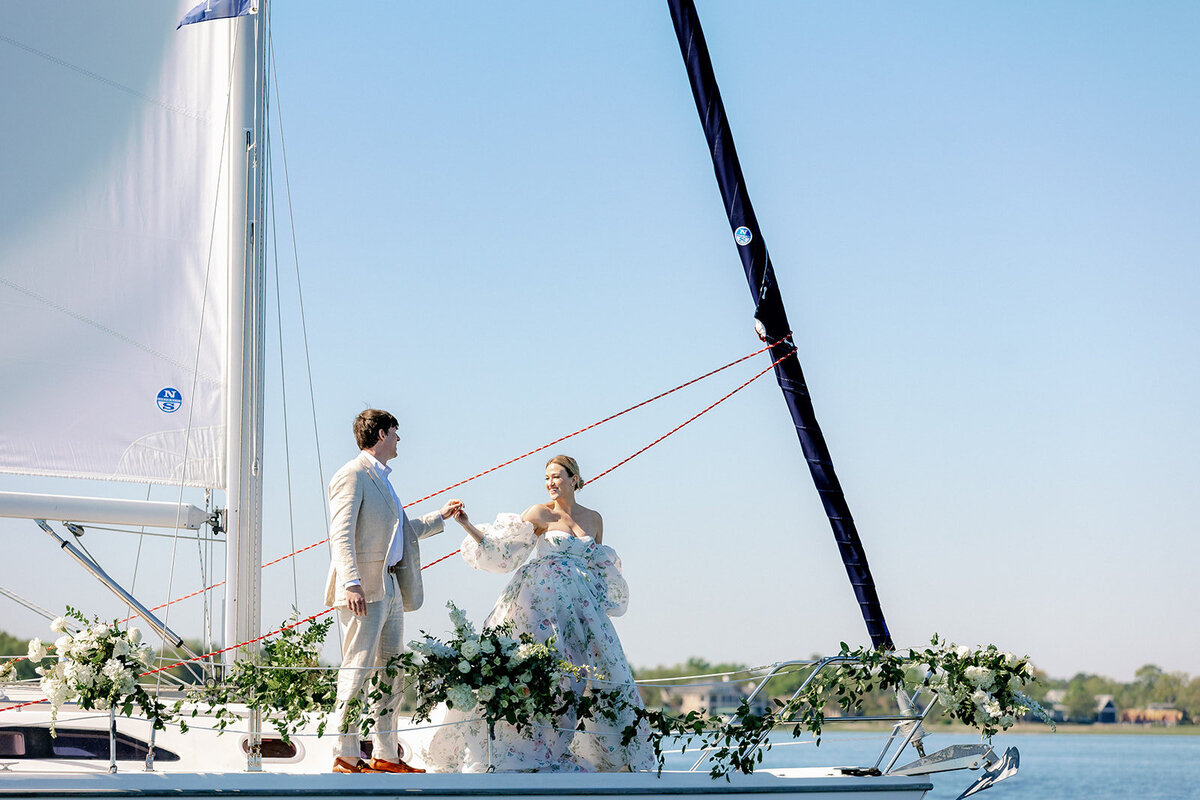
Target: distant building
1106	708
1154	714
719	698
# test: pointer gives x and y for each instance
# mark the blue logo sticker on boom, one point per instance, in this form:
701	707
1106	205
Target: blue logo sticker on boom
743	236
170	400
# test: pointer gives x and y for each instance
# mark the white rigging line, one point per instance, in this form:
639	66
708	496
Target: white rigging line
299	291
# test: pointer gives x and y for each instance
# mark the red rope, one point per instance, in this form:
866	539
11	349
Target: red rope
505	464
593	425
690	420
620	463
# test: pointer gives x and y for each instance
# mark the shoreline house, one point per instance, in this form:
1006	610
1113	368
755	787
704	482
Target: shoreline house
1154	714
1105	710
717	698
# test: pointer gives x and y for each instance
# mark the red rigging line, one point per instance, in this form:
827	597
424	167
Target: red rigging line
684	385
620	463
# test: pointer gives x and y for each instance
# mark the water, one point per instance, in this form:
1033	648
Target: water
1061	766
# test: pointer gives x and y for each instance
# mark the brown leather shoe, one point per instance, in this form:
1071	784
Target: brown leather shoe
357	765
379	765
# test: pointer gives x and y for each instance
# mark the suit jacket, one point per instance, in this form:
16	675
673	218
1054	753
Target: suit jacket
365	519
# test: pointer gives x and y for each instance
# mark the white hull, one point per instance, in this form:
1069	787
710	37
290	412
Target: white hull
809	783
205	764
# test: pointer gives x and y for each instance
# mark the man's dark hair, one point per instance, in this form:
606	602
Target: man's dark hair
370	425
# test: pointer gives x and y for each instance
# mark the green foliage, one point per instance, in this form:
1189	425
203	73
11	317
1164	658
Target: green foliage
21	669
285	681
97	666
982	688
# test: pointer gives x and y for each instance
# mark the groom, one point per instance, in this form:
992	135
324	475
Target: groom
374	577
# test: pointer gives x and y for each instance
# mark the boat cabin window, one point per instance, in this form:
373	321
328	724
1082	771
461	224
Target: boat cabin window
74	743
273	748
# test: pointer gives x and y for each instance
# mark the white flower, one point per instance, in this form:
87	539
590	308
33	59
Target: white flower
8	671
82	676
992	708
524	652
486	693
37	650
59	625
1015	683
980	697
113	669
121	646
470	648
982	677
460	697
464	666
134	634
487	646
99	629
144	654
961	650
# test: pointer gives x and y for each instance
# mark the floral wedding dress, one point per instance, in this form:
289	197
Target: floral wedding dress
568	590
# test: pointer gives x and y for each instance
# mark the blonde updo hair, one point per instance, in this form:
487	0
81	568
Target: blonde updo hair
572	468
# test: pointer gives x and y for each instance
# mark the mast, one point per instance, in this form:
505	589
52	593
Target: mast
771	319
244	421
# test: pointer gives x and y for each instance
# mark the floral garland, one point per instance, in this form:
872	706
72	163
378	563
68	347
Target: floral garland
983	688
515	679
98	667
284	680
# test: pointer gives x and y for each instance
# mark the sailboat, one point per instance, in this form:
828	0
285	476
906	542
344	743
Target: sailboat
137	267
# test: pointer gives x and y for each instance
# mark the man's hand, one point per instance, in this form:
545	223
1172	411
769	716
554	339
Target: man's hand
356	600
451	508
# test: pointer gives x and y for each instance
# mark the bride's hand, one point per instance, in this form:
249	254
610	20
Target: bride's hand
460	516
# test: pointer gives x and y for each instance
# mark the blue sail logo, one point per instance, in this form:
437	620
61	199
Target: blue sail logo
743	236
170	400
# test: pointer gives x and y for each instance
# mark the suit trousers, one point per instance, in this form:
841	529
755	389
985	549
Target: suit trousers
368	642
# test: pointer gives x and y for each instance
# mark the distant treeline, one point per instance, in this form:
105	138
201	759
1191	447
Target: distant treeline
1151	686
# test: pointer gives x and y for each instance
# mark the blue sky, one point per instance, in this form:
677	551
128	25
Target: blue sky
985	220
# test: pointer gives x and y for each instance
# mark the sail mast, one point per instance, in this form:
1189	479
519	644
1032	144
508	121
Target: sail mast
770	314
244	428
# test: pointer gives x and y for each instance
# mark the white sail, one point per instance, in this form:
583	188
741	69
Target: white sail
115	200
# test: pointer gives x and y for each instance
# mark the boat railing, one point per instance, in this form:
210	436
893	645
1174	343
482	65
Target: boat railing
908	723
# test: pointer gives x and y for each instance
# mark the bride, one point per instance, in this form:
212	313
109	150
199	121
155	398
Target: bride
568	590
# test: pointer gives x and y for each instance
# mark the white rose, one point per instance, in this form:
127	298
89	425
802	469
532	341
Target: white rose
99	630
980	676
134	634
37	650
470	648
121	647
980	697
59	625
962	651
487	646
486	693
464	666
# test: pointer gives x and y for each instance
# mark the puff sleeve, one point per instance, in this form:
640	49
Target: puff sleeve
605	566
506	544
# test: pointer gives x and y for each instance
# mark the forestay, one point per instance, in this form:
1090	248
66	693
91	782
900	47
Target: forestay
115	199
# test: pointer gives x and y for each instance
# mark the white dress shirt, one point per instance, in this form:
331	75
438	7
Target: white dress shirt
396	551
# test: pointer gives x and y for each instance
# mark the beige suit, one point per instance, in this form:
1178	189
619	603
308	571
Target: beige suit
365	520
